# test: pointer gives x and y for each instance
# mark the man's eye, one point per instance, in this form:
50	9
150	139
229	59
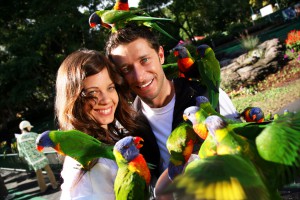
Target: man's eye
144	60
125	70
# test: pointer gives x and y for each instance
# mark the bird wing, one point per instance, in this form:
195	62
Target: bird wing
280	141
81	146
220	177
180	145
129	185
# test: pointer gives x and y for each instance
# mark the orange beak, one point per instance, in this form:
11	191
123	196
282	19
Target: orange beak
39	148
185	118
176	53
137	141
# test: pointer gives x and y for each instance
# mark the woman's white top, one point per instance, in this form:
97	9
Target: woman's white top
98	183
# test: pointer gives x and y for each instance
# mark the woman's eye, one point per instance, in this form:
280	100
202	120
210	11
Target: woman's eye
112	88
92	93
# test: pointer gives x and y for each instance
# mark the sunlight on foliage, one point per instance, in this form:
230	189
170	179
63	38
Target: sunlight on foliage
249	42
293	45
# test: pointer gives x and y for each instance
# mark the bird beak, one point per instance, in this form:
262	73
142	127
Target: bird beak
39	148
176	53
185	117
138	142
254	117
93	25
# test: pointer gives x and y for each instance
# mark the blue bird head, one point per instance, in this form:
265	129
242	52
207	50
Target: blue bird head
201	50
256	114
43	140
128	147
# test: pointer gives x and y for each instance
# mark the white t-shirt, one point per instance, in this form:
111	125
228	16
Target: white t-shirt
98	183
161	119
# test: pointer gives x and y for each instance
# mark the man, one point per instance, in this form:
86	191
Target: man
139	57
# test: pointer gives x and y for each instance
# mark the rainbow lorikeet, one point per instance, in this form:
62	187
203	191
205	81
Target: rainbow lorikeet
76	144
133	176
180	145
274	152
210	70
117	19
219	177
252	114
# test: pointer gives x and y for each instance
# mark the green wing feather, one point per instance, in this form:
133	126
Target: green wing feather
132	186
220	177
280	141
81	146
209	68
177	142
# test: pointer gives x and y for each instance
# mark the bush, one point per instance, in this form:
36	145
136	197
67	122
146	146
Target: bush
293	45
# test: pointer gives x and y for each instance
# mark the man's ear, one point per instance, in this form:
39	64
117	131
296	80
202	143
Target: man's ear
161	55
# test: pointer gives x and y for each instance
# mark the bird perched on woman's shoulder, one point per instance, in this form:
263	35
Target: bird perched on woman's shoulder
133	176
76	144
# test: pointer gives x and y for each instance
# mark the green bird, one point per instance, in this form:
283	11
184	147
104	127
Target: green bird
133	176
197	117
274	152
76	144
180	145
209	68
229	177
117	19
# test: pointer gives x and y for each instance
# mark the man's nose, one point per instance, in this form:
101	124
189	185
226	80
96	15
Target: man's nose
139	72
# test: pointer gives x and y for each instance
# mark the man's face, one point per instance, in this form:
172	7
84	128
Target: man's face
141	67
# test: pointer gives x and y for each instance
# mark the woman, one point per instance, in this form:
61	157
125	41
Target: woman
92	97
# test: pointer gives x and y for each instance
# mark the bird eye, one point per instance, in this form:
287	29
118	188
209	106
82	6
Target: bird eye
126	147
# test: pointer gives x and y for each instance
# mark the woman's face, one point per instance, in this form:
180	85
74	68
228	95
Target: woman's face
101	98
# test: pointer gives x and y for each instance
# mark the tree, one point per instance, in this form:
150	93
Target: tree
198	18
35	37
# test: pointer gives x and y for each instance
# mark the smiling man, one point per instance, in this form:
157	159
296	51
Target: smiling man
139	57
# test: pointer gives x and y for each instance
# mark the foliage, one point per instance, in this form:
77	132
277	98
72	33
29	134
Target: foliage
249	42
201	18
3	147
292	43
35	38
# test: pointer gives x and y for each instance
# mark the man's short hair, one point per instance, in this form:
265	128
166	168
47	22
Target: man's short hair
130	33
